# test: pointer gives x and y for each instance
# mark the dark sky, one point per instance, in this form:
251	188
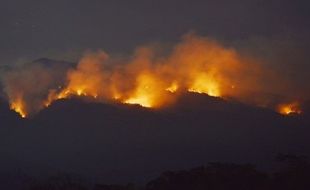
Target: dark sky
64	28
61	29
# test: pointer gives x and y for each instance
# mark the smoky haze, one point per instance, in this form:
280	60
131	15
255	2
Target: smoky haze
154	76
120	91
273	35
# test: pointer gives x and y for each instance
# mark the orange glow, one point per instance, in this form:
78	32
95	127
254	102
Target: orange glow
173	87
19	107
154	79
141	100
85	80
204	84
147	93
289	108
196	65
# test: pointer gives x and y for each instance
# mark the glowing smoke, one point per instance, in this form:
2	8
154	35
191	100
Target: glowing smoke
196	64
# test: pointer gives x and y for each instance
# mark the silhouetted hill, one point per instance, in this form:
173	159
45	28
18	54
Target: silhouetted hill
8	118
293	174
115	143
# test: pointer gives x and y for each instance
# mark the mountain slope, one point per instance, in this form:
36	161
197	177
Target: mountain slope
121	143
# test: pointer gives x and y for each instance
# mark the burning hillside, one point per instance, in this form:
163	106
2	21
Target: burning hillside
152	79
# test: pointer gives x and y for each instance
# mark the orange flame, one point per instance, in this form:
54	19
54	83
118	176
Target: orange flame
19	107
147	93
289	108
173	87
205	84
196	64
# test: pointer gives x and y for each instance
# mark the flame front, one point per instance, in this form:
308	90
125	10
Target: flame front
173	87
144	92
152	80
204	84
289	108
19	107
148	92
197	65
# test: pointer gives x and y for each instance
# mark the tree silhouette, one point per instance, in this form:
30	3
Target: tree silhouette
59	182
215	176
295	175
114	187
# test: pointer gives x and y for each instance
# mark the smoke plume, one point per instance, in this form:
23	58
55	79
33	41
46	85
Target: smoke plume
152	78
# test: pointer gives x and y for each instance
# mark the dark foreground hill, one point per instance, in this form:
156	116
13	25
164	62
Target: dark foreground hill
127	143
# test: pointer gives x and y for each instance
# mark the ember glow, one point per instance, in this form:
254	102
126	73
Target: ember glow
146	93
289	108
19	107
173	87
147	78
204	84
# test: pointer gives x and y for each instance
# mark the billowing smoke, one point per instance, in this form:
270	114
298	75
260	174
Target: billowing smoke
27	86
152	78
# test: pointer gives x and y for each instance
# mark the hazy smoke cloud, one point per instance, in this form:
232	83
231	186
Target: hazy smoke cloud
29	84
152	78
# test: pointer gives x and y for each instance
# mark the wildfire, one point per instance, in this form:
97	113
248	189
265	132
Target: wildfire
289	108
19	107
149	92
173	87
140	100
204	84
152	80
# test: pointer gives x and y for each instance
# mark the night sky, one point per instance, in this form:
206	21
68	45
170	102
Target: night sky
63	29
127	142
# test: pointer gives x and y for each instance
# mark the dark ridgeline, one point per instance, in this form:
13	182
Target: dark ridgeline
215	176
293	174
117	144
218	176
